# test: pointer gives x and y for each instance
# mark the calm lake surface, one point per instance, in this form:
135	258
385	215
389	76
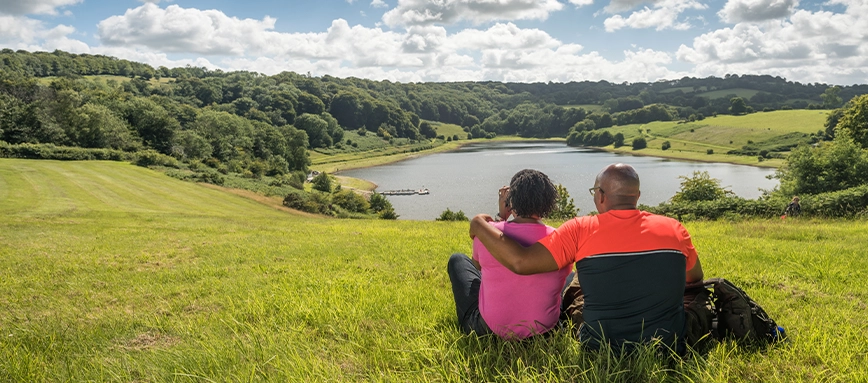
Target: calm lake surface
468	178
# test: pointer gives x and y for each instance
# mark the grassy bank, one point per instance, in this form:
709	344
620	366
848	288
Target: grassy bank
692	141
111	272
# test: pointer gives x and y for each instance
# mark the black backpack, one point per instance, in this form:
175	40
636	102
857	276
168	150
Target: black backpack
726	312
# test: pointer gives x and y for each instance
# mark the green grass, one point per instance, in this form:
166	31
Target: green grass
724	133
111	272
684	89
449	130
739	92
105	78
590	108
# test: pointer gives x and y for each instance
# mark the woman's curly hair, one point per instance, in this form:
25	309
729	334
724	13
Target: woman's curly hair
531	192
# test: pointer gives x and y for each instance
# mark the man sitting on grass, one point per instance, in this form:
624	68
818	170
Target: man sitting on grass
491	299
632	265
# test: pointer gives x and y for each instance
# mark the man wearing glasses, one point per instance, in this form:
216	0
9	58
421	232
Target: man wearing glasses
632	265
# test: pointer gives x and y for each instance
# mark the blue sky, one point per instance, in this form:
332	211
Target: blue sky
457	40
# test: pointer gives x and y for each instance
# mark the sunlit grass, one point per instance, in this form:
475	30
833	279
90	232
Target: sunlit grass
111	272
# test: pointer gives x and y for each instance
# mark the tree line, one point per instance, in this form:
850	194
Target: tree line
249	121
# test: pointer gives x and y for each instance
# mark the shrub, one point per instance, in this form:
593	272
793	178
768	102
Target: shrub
296	179
709	151
64	153
322	182
351	201
449	215
565	208
666	145
831	166
317	203
148	158
639	143
388	213
378	203
700	187
618	140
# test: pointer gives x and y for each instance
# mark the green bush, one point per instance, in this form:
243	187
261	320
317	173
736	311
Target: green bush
639	143
351	201
148	158
388	213
322	182
64	153
849	203
449	215
700	187
666	145
318	203
565	208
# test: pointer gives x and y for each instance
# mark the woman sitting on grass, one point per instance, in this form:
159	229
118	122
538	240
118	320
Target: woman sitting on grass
489	298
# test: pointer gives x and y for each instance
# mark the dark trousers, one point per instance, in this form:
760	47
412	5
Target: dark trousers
465	288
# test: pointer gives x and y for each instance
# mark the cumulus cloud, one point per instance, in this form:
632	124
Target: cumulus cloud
617	6
30	7
379	4
736	11
581	3
664	15
421	12
21	32
816	46
176	29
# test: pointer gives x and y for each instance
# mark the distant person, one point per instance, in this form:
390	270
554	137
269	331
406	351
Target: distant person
632	265
793	208
491	299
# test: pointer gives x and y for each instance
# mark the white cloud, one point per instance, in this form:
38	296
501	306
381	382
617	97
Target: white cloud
581	3
379	4
664	16
30	7
176	29
445	12
504	36
617	6
812	46
21	32
736	11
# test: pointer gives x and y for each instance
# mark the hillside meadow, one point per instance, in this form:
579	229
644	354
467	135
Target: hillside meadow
722	133
111	272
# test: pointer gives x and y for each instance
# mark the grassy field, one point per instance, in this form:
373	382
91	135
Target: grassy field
111	272
739	92
449	130
590	108
105	78
691	141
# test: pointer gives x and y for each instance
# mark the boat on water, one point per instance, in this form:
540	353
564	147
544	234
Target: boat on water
422	191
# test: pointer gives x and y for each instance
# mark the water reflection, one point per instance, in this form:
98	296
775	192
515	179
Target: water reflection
467	179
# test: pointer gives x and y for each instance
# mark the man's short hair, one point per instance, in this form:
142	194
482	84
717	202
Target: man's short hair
531	192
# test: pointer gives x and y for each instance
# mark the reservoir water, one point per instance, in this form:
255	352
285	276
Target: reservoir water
468	179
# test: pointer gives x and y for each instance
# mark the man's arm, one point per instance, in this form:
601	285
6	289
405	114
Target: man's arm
515	257
695	274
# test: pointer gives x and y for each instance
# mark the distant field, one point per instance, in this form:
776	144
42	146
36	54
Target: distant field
722	134
111	272
591	108
449	130
685	89
153	81
739	92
